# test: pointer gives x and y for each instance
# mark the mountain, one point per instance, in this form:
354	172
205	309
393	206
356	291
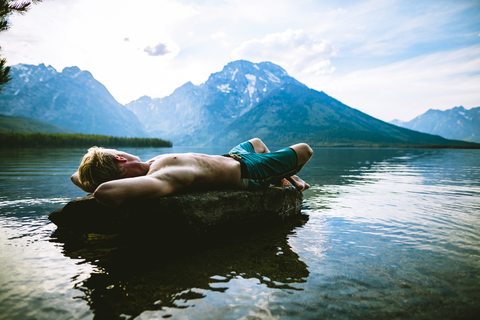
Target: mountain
242	101
456	123
294	113
26	125
72	99
193	115
247	100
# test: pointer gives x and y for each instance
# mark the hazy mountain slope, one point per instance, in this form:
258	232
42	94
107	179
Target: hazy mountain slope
193	115
456	123
26	125
72	99
295	113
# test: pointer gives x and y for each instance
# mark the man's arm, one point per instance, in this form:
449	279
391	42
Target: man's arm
77	182
113	193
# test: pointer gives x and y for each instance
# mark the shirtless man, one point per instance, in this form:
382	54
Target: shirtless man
115	176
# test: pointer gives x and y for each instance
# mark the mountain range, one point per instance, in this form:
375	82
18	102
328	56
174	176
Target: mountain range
242	101
193	115
72	99
456	123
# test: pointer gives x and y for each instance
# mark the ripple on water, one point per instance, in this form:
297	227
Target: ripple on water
395	237
391	234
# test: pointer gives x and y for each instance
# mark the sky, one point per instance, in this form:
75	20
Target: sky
392	59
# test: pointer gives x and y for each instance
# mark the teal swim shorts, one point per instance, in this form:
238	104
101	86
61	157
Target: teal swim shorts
264	169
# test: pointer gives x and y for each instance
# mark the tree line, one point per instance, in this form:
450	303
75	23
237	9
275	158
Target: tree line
17	139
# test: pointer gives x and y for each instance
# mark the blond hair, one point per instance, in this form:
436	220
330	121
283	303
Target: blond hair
97	167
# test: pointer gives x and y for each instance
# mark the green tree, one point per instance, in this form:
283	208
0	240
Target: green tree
8	7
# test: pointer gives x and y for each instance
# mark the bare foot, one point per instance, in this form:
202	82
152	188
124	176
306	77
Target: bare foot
299	183
283	182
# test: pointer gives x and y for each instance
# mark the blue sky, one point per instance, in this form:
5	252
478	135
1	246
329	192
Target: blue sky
390	59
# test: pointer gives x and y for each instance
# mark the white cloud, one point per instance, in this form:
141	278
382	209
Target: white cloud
159	50
162	49
74	34
218	35
367	34
296	51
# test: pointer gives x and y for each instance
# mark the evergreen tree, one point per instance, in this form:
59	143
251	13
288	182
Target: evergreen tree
7	7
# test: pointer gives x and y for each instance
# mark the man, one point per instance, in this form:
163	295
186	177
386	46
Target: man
115	176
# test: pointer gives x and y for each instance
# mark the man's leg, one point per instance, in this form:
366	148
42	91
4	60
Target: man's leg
304	153
259	146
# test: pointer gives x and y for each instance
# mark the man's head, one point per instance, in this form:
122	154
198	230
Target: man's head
100	165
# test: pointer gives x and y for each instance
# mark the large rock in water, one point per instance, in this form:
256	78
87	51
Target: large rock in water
193	213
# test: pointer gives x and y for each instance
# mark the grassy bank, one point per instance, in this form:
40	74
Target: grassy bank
16	139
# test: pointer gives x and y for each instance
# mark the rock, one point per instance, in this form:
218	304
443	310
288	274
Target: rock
192	213
141	273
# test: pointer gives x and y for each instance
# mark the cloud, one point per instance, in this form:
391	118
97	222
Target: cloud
159	50
295	50
408	88
218	35
370	36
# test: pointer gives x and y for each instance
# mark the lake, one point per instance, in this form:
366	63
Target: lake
386	234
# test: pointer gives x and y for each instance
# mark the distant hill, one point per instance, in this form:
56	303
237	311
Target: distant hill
26	125
71	99
456	123
295	113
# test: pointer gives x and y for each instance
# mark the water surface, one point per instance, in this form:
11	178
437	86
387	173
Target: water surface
387	233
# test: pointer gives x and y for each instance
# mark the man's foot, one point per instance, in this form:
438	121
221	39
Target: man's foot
299	183
283	182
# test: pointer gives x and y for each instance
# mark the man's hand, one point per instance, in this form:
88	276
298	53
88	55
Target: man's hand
77	182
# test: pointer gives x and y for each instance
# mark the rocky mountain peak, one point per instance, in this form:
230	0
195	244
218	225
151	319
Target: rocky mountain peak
247	77
184	88
29	75
71	70
75	72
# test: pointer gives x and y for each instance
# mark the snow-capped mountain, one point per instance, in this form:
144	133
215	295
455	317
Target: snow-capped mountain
242	101
247	100
456	123
193	114
71	99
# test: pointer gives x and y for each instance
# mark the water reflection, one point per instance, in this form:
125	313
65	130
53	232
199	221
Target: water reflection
392	233
398	237
135	275
427	198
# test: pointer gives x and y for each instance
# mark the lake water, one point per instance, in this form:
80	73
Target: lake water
387	234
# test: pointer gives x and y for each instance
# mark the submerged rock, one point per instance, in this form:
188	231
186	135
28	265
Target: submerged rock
193	213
